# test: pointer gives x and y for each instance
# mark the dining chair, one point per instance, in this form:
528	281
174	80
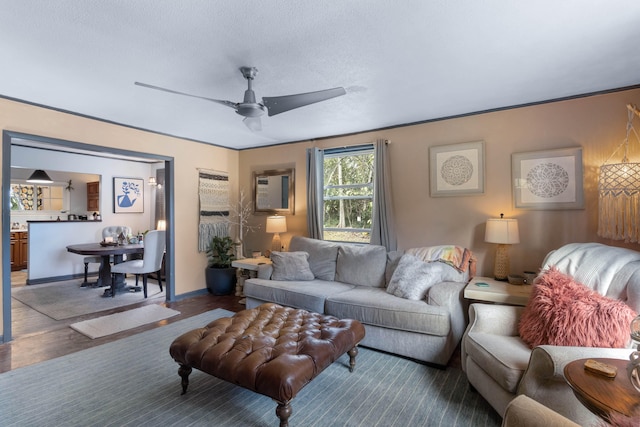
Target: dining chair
151	262
106	232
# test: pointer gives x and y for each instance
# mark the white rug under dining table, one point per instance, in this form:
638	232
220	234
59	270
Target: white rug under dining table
64	300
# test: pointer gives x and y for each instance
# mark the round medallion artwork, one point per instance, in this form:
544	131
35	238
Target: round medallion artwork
456	170
547	180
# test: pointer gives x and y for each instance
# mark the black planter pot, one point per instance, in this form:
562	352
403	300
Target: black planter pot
220	281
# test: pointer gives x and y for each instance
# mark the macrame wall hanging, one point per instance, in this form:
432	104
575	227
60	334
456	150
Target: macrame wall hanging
213	191
619	192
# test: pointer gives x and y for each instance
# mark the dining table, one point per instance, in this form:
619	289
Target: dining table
105	252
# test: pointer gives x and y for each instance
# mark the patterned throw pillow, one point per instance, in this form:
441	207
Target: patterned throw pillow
561	311
291	266
412	277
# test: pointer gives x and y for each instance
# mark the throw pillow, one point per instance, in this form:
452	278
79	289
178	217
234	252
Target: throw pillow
322	255
361	265
412	277
290	266
563	312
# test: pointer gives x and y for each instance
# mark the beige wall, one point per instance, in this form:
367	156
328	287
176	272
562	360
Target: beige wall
189	264
595	123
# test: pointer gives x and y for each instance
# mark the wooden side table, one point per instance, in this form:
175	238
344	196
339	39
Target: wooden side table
602	395
247	268
497	292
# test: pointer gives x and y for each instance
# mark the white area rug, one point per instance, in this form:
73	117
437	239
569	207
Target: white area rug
113	323
64	300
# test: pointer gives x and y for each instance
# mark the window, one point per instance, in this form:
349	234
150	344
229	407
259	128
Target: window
348	194
28	197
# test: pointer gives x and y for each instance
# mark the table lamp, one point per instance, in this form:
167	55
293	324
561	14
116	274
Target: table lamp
162	224
504	232
276	224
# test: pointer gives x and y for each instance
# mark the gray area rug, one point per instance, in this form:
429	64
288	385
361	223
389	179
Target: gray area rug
64	300
134	381
117	322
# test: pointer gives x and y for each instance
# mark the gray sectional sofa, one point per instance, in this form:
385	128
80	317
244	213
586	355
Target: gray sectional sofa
353	281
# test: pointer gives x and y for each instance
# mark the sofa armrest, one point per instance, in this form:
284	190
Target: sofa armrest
526	412
544	381
494	319
264	271
446	294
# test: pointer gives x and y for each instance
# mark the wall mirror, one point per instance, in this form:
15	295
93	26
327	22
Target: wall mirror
273	192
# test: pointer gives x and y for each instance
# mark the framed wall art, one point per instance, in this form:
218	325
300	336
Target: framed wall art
456	169
548	179
128	195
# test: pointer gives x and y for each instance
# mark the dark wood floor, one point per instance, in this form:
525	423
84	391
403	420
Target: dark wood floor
38	338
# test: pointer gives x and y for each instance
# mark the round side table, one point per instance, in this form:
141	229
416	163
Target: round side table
602	395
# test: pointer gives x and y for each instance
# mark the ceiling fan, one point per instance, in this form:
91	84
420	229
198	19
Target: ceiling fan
272	105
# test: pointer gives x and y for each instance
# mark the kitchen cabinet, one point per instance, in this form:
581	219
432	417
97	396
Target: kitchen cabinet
19	250
93	196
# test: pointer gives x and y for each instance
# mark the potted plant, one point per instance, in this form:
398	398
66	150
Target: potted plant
220	276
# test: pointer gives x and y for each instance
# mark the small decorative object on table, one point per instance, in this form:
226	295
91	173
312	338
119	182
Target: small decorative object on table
600	368
516	279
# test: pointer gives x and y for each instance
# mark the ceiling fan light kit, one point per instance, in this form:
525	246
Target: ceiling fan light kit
252	110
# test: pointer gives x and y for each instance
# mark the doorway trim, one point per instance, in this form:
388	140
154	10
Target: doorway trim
7	138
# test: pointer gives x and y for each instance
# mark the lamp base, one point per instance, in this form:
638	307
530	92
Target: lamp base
276	244
501	267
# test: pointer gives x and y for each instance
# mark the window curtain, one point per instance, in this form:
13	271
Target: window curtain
315	206
383	228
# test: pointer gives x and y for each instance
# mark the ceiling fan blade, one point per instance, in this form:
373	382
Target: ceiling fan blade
253	123
280	104
218	101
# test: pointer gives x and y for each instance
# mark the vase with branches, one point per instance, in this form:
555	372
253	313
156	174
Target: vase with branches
239	215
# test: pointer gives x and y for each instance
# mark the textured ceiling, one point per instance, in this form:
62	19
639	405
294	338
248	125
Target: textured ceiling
400	62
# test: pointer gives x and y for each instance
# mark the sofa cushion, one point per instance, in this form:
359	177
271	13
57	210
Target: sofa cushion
310	295
566	313
412	277
393	258
322	255
362	265
290	266
374	306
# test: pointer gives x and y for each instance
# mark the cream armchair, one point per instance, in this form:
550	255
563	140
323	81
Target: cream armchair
499	365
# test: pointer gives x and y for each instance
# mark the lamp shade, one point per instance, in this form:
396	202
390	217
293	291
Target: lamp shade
502	230
39	177
276	224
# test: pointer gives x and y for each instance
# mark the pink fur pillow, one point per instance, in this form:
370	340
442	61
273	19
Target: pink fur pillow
561	311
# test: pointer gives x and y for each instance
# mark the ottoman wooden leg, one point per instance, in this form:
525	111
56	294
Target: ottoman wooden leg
184	372
352	358
283	411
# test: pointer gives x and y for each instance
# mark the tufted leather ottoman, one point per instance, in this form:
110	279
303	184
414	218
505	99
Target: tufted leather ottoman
270	349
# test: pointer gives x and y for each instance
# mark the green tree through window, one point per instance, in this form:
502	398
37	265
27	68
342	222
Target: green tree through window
348	194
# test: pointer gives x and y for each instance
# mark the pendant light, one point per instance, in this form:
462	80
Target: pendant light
39	177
